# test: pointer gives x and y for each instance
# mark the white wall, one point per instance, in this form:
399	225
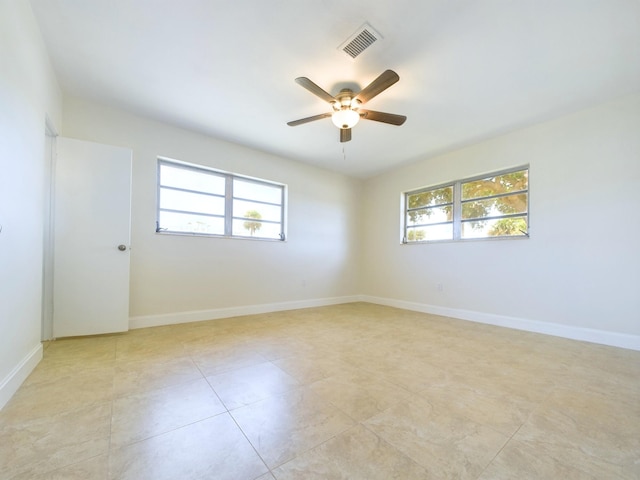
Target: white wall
28	93
581	267
171	275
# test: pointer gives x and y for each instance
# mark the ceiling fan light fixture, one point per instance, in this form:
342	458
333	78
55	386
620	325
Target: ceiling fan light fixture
345	118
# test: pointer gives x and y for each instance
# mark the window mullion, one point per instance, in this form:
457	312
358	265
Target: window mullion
457	210
187	190
228	205
498	195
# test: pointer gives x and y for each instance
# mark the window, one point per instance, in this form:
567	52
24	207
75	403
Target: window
494	205
200	201
430	214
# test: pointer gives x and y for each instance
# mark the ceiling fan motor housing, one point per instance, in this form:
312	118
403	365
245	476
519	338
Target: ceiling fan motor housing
346	99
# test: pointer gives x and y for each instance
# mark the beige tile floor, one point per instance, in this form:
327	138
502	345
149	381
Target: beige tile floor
353	391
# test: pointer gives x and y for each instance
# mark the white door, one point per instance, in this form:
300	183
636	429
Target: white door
92	215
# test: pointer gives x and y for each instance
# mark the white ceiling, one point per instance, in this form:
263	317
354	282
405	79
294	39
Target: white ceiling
469	69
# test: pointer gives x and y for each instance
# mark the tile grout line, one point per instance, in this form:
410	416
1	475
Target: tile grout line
510	439
228	412
250	443
500	450
389	444
113	400
316	446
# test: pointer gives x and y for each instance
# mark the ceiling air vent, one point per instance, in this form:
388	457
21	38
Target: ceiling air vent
362	39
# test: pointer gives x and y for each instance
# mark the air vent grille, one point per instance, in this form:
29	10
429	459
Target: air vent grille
362	39
358	45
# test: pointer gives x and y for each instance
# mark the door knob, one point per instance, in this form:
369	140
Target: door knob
122	248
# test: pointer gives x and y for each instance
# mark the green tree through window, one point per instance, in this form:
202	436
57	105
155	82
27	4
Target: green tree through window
252	227
492	196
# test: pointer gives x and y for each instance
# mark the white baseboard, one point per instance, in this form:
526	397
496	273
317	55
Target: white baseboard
603	337
614	339
215	314
19	374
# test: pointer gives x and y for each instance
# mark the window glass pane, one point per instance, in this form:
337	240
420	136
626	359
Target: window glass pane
501	227
191	202
259	211
508	182
180	222
255	228
493	207
428	198
430	215
191	179
433	232
257	191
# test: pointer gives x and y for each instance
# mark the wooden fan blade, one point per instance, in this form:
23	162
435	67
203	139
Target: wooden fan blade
308	119
345	135
380	84
383	117
315	89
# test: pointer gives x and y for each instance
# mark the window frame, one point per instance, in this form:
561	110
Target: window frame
457	220
228	197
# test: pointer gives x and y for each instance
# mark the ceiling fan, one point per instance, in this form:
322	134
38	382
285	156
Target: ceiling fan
346	104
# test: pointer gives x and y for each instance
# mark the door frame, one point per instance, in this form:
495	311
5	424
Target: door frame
49	158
